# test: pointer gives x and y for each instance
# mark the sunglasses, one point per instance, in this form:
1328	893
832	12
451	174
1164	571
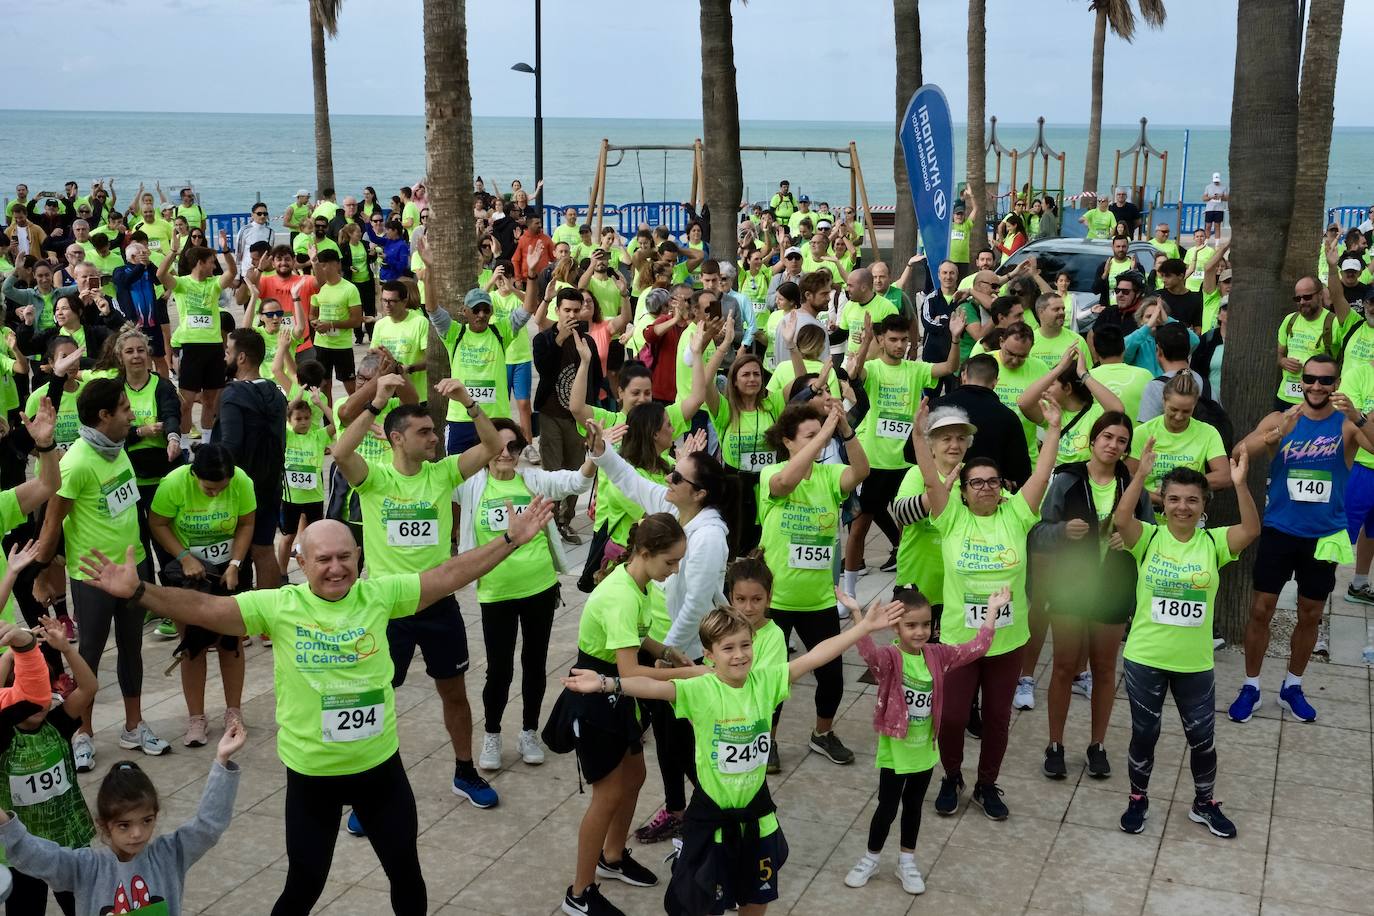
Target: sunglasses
675	477
273	314
793	257
1327	380
375	219
1301	297
1124	289
984	483
479	309
259	212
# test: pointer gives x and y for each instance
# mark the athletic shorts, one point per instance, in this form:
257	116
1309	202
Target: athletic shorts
1213	216
761	886
879	489
292	513
268	514
518	378
1283	556
439	632
1359	502
202	367
157	347
337	363
461	437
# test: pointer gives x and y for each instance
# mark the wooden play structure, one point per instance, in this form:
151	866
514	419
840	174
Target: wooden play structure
1140	180
1040	149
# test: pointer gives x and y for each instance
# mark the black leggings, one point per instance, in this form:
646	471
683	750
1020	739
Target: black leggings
385	805
30	897
815	627
500	622
908	789
95	612
676	751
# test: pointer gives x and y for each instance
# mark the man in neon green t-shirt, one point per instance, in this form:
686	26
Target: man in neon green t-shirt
200	370
1100	221
335	706
961	229
335	310
404	333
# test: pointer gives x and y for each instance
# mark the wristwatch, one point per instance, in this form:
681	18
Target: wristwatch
236	563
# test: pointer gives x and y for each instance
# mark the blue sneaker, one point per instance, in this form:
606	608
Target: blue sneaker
1244	706
1292	700
354	826
476	790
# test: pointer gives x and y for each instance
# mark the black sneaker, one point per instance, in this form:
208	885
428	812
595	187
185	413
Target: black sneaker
947	801
1207	811
1137	809
590	903
890	564
975	723
989	798
1098	765
774	766
831	748
627	870
1054	762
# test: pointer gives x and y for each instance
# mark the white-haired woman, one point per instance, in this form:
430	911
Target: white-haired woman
949	433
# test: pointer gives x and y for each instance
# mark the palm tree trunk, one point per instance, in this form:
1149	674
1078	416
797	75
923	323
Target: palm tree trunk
724	178
1094	152
976	164
324	142
906	18
1264	155
1316	106
450	233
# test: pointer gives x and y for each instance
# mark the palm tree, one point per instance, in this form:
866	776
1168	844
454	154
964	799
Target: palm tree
1119	16
1264	155
451	236
906	19
976	164
1316	105
324	21
723	181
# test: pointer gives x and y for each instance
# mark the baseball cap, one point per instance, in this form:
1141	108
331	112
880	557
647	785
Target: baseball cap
804	198
302	193
1224	275
477	297
1354	264
794	250
1216	176
822	224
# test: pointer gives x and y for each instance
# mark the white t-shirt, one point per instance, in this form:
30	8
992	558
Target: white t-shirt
1212	194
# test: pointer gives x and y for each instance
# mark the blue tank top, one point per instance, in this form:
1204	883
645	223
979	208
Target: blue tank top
1307	479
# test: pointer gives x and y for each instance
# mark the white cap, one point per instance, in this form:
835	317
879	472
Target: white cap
727	269
302	193
791	251
952	419
1216	176
1352	264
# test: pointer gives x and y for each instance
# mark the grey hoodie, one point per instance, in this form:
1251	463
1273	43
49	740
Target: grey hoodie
101	882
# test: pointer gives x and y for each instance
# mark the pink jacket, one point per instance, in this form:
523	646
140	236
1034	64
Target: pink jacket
889	715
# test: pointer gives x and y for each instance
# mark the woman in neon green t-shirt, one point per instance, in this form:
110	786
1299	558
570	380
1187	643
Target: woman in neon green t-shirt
1169	649
203	517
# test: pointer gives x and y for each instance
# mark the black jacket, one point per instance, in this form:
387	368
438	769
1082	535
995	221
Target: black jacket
252	425
1000	435
1201	360
704	866
152	462
557	364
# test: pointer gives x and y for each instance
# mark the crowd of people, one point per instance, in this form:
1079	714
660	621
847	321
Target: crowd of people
188	416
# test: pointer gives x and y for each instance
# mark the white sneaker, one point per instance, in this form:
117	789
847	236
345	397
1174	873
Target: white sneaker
1025	693
1083	684
490	758
528	745
143	739
83	750
863	870
910	876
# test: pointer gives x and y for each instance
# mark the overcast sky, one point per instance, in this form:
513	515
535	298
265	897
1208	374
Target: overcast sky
797	59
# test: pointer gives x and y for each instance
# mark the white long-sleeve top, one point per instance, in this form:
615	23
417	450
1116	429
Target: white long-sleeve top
554	485
696	587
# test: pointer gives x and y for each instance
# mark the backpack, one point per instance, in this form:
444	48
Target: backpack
1326	338
1209	411
462	332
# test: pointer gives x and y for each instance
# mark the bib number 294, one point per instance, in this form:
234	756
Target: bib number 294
352	717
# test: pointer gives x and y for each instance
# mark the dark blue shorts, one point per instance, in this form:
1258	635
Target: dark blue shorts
441	635
1359	501
762	887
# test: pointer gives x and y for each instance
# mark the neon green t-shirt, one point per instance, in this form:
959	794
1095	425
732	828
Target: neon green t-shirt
518	348
408	341
799	537
919	560
1049	350
303	475
10	518
336	710
1011	384
770	646
852	319
1198	444
1175	597
894	394
565	233
527	571
375	447
335	302
1125	381
198	309
607	295
103	514
780	382
915	753
1303	339
981	554
408	521
1100	223
68	423
204	523
479	360
743	436
959	235
616	616
302	242
411	212
1073	445
1357	382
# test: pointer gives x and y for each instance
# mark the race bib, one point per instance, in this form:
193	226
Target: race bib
810	556
298	479
287	321
32	788
498	517
1197	275
917	703
412	527
734	759
893	428
214	554
756	461
1292	389
200	322
120	493
1309	486
976	611
1185	607
352	716
482	392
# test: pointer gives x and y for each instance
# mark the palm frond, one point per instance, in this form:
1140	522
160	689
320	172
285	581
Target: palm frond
1121	15
327	11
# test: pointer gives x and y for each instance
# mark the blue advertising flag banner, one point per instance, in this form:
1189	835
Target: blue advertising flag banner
927	135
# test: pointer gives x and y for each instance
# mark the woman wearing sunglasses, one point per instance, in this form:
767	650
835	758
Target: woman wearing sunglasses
521	593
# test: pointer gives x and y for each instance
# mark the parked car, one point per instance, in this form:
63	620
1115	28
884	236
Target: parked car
1080	257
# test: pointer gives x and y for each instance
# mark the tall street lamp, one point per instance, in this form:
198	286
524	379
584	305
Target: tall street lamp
538	71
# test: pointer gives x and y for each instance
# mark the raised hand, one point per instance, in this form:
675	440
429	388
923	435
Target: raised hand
1147	457
451	388
692	442
525	525
43	426
1240	466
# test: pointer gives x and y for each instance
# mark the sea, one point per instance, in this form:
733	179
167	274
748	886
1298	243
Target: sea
233	160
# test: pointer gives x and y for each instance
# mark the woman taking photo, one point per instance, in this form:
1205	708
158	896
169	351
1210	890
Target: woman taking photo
1090	588
202	516
1011	235
604	729
521	594
800	501
1169	649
